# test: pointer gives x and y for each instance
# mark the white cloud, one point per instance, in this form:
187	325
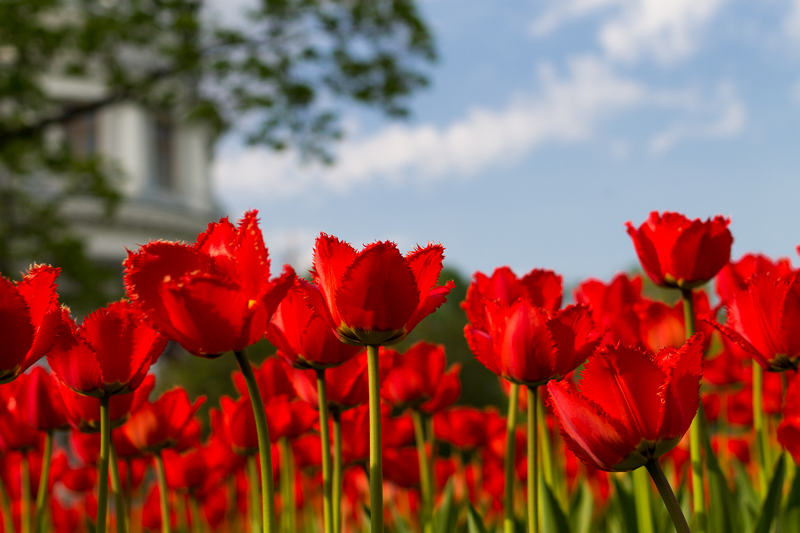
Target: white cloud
566	108
666	30
720	116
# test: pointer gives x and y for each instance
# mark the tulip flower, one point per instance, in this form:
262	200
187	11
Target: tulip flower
29	318
158	425
374	298
214	296
614	307
789	428
632	406
678	252
681	253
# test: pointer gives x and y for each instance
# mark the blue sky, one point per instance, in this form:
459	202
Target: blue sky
548	125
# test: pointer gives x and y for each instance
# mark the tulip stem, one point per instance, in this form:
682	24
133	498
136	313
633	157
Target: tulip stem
337	472
511	424
325	441
287	487
673	507
252	481
375	458
264	451
197	526
5	508
102	467
641	498
695	431
25	494
426	487
162	489
44	478
119	497
758	427
533	460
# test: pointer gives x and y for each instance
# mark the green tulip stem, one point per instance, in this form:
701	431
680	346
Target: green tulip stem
664	489
264	450
533	460
119	495
325	441
41	495
161	475
25	493
511	424
695	431
758	427
252	481
194	509
426	487
102	467
5	509
287	486
375	459
337	472
641	495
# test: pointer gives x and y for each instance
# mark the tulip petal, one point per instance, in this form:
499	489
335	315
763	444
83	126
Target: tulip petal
430	303
544	288
74	361
625	382
378	291
790	318
680	393
595	437
574	336
16	329
332	257
755	314
426	264
251	255
646	251
482	347
38	288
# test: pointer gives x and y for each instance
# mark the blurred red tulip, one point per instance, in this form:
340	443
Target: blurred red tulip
158	425
211	296
43	407
734	276
83	412
614	307
468	428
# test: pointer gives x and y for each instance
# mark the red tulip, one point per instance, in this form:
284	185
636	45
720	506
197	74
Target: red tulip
633	406
29	320
346	385
43	408
531	345
764	320
446	392
415	375
678	252
303	338
734	276
158	425
661	325
614	307
83	412
15	433
401	466
468	428
789	428
543	288
211	296
110	353
376	296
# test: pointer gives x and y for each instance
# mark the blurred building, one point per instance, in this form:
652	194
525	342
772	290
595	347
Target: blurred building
165	172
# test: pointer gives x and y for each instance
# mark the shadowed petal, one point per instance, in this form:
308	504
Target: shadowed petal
16	329
681	391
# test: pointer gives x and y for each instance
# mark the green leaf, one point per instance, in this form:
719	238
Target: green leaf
447	513
474	521
772	502
553	518
791	509
625	507
746	497
581	509
723	513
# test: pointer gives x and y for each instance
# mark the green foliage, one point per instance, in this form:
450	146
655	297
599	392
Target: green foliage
289	67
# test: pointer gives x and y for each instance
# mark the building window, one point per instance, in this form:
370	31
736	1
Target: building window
81	132
163	154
